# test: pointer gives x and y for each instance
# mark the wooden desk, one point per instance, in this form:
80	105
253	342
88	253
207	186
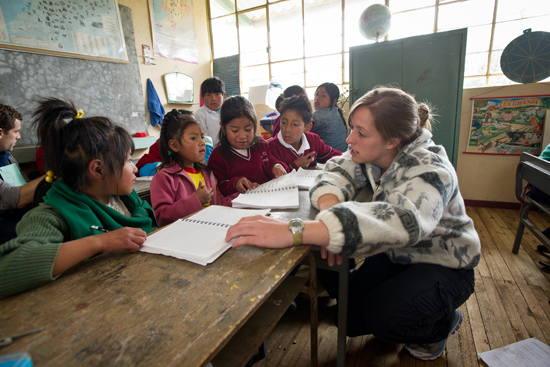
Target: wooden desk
143	189
150	310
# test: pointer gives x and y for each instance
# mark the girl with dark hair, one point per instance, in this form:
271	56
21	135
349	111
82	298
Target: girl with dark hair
242	160
420	246
330	123
183	184
91	206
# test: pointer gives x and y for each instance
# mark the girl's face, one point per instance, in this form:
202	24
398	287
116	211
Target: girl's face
125	183
239	132
322	99
293	128
366	145
190	147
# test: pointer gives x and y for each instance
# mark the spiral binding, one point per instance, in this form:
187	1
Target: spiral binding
215	224
253	191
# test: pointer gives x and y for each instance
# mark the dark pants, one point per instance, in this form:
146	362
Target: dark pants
402	303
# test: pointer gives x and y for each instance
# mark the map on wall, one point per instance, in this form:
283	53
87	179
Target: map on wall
174	30
73	28
508	125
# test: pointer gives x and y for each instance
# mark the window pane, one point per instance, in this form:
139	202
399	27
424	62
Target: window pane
494	67
224	36
400	5
506	32
221	7
465	14
479	39
253	38
500	80
324	69
346	67
252	76
412	23
513	9
478	82
288	73
323	27
285	30
476	64
247	4
352	35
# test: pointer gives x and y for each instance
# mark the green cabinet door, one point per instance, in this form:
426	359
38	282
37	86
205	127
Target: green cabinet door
430	67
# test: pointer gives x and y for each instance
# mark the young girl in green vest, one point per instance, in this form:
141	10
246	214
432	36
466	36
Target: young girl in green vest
91	207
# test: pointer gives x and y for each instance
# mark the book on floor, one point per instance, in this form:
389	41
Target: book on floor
199	238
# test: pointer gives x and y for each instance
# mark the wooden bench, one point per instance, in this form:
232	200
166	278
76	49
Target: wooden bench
535	171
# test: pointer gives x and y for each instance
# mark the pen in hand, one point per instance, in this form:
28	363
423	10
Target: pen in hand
99	229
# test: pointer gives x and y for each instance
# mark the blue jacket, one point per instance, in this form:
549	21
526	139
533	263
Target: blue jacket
330	128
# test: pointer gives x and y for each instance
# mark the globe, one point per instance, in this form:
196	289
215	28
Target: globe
375	21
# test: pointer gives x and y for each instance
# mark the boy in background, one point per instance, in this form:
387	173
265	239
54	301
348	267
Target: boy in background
294	144
208	116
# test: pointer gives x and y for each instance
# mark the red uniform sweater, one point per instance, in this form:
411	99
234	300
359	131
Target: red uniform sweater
322	151
257	166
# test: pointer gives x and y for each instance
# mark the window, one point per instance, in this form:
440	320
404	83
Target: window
306	42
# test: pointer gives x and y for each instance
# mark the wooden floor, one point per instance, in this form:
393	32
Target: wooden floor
510	304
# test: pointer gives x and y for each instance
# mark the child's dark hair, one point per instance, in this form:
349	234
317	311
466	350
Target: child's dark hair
300	104
71	142
212	85
173	126
233	108
8	115
278	103
293	90
334	93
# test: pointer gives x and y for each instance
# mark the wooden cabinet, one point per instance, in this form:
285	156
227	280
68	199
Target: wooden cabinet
430	67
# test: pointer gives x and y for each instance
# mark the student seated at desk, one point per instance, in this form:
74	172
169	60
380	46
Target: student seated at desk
420	246
14	200
183	184
242	160
92	194
294	144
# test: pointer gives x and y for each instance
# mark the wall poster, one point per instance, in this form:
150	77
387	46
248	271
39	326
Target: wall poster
174	30
508	125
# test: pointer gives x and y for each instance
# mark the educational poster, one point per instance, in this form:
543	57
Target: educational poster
174	30
74	28
508	125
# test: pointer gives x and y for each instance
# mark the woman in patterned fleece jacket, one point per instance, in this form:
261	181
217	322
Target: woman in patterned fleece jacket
420	245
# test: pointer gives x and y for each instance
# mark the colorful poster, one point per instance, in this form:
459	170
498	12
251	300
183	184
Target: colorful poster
174	30
508	125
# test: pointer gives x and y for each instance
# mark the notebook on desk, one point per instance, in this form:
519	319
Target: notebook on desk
199	238
280	193
306	177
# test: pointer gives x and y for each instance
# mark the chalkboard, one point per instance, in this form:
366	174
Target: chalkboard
99	88
227	69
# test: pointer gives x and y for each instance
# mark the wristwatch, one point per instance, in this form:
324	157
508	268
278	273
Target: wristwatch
296	225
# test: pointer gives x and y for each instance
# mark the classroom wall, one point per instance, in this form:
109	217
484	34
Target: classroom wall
199	72
489	177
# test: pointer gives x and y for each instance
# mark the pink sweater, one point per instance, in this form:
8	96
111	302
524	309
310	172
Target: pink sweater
173	194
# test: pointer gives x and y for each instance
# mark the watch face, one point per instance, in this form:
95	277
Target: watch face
296	224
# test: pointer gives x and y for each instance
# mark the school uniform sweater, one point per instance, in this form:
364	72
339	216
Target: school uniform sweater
417	214
27	261
173	194
310	143
257	166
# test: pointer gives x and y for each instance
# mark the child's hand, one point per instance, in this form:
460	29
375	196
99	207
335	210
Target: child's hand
305	161
278	171
125	238
243	184
204	193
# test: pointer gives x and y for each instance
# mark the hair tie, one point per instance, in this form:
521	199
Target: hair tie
50	176
169	152
79	114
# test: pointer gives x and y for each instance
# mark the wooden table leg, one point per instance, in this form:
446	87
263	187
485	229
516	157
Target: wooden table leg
313	308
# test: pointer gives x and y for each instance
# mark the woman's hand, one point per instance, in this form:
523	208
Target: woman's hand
305	160
243	184
278	170
125	238
325	254
261	231
204	193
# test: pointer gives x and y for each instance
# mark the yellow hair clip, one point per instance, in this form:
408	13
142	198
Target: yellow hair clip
79	114
50	176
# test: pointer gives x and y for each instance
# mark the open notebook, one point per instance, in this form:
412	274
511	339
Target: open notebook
306	177
199	238
280	193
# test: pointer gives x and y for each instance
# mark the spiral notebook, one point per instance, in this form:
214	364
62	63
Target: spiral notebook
280	193
199	238
306	177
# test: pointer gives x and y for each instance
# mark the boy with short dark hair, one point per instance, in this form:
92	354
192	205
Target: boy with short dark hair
294	144
208	116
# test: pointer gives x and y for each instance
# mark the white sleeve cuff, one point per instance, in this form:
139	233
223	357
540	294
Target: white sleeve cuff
324	190
335	230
